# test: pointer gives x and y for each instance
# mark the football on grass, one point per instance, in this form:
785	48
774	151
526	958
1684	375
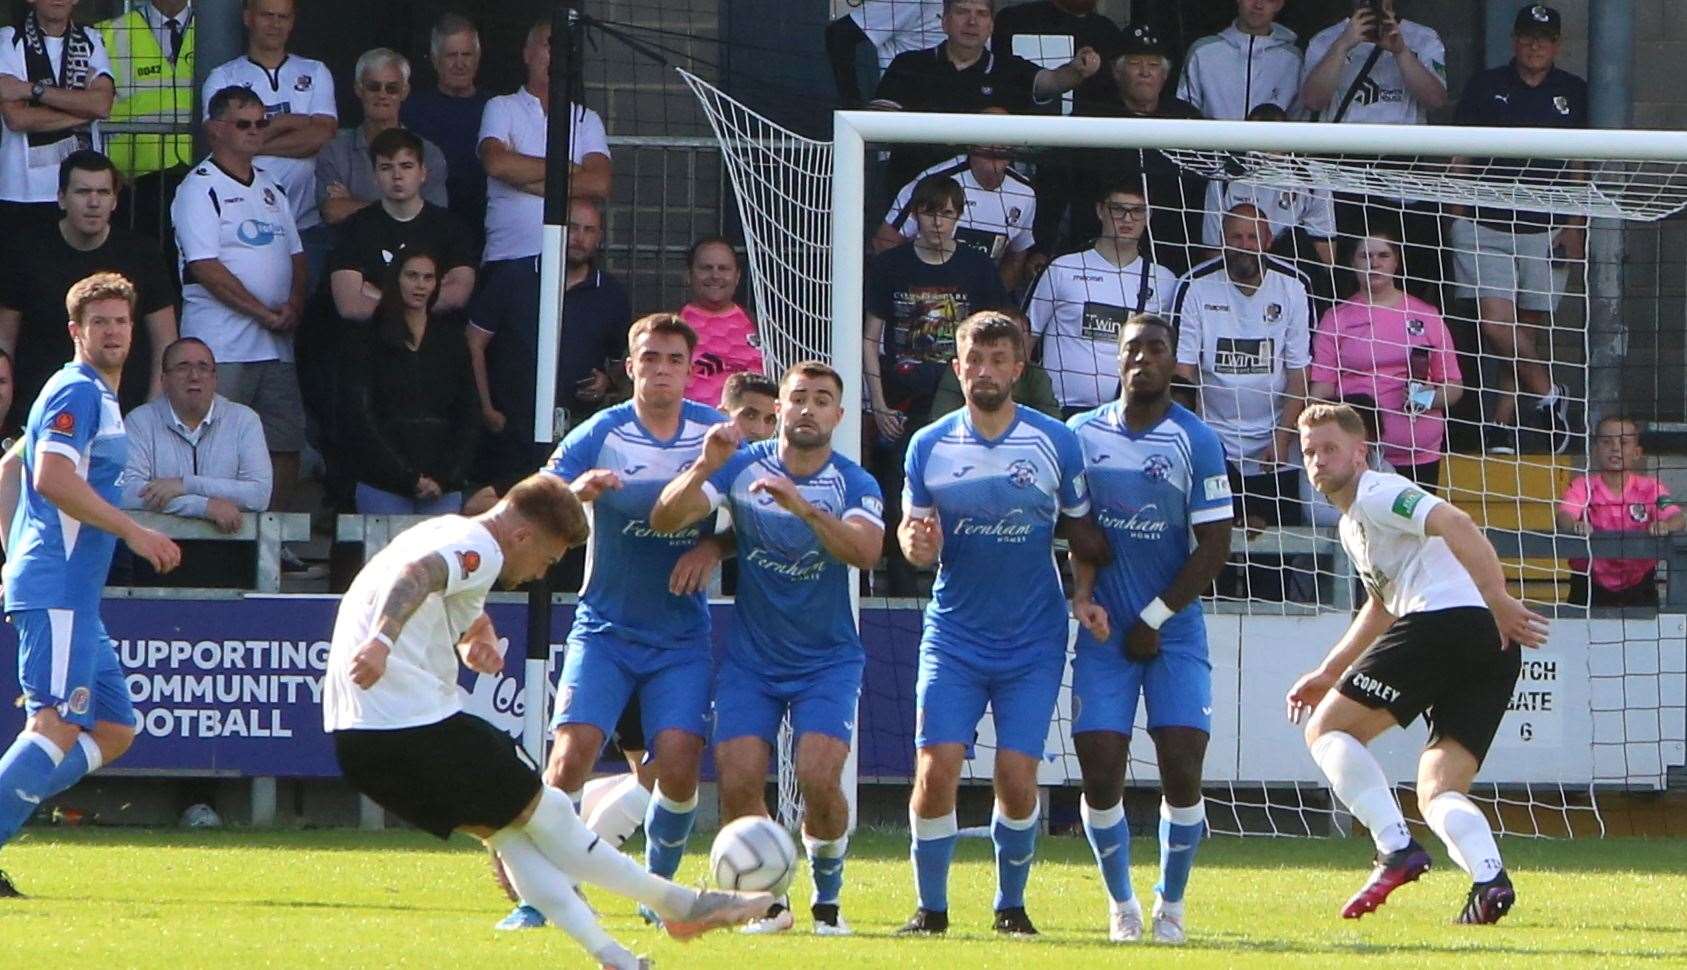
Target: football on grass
753	854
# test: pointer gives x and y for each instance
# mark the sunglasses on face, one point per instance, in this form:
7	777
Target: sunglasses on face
390	87
247	124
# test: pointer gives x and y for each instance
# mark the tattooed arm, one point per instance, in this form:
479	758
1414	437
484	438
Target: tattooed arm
402	598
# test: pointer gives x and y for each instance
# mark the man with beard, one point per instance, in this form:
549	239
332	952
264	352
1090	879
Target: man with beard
631	636
1244	338
802	515
987	489
1437	636
58	491
1162	498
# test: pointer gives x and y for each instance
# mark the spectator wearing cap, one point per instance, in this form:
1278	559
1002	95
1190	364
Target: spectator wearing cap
1050	32
1254	61
890	27
1142	73
449	116
345	169
1000	211
1375	68
964	75
1503	258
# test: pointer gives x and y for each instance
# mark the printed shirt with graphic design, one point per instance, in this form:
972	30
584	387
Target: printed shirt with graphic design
1149	490
1401	565
628	562
998	597
792	615
298	86
419	686
1382	98
1369	350
727	344
1644	500
54	561
1076	309
249	228
996	221
1244	345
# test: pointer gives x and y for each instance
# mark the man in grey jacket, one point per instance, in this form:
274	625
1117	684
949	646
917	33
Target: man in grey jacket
192	452
1253	61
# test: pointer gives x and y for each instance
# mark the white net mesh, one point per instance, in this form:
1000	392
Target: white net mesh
1603	706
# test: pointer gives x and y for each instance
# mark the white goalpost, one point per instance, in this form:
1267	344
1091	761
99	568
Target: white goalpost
1603	707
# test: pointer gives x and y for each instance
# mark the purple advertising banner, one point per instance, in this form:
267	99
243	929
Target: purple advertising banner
234	686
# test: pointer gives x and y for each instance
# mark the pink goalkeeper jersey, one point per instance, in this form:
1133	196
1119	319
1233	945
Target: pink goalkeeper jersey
726	345
1364	349
1644	500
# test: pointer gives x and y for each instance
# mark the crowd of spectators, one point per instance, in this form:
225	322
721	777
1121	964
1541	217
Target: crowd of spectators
370	291
1279	295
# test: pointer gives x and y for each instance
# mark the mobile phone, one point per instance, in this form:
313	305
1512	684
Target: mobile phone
1373	32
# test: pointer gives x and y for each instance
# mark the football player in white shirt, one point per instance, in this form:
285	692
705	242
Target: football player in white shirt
1081	299
298	98
390	699
1244	322
1407	80
1437	636
1001	208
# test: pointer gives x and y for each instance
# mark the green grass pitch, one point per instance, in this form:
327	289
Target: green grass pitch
344	899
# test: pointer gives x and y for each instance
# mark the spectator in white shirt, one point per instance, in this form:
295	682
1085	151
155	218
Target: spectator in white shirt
1406	77
55	86
298	98
1292	212
1253	61
892	27
244	269
1244	338
192	452
1000	212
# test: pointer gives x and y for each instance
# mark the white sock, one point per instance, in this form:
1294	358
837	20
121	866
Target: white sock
548	889
1358	781
614	807
587	857
1463	827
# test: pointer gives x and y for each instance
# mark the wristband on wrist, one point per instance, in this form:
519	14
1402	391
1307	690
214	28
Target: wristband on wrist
383	638
1156	613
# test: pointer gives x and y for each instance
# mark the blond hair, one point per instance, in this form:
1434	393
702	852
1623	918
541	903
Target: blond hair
100	286
1341	415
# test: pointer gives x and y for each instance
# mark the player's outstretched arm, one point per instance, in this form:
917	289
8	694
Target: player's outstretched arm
682	501
1371	622
57	482
1517	623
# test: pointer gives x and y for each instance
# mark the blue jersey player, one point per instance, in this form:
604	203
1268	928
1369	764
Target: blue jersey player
802	515
58	488
987	487
631	636
1160	492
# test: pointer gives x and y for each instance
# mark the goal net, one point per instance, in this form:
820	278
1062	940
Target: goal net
1448	292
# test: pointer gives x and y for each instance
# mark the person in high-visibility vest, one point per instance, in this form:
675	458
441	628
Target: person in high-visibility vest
151	50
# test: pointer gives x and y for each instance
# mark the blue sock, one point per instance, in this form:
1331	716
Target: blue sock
933	850
667	826
1016	846
24	771
1181	830
84	759
826	862
1110	838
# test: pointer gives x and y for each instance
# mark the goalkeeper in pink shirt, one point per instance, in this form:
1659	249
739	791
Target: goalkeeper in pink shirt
1615	496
